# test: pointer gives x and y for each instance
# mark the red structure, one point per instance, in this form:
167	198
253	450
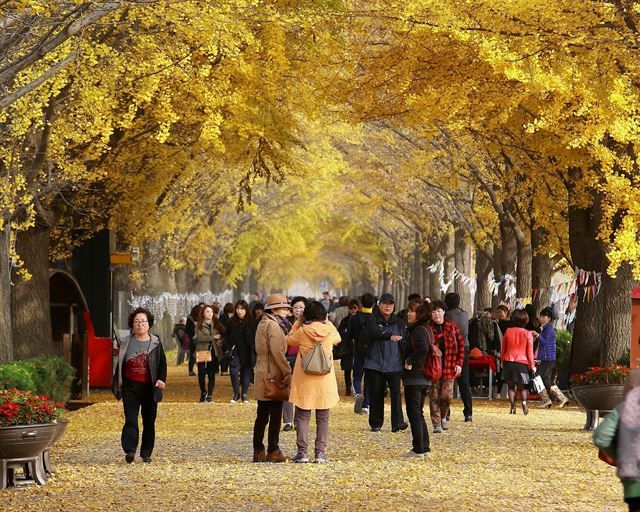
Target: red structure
100	361
635	328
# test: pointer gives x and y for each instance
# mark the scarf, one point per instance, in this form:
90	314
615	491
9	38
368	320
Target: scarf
284	324
629	437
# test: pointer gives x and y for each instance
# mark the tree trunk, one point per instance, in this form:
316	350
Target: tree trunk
541	271
463	264
30	305
483	269
508	256
603	324
523	270
6	339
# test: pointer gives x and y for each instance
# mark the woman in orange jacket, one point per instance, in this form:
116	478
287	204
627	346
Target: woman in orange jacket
517	358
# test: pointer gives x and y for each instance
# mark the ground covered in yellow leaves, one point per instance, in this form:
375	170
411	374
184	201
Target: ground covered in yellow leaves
203	451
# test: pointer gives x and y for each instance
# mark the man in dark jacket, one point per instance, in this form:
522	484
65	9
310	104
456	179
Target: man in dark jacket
383	364
461	319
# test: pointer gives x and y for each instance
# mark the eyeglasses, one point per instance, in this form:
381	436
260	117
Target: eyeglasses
140	322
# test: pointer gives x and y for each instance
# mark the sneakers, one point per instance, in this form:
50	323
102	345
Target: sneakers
236	397
209	399
364	411
468	419
411	455
437	429
259	456
301	458
320	458
357	404
402	426
287	427
146	459
203	397
129	456
445	424
245	400
376	429
276	456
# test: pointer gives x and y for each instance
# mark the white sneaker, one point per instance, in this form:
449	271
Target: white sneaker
364	411
445	424
411	454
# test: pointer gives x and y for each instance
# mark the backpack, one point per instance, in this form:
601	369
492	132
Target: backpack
432	368
316	362
362	343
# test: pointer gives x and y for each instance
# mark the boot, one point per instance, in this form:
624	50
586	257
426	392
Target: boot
546	401
559	396
276	456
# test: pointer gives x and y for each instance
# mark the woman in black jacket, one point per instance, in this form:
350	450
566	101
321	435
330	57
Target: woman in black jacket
239	349
416	385
139	380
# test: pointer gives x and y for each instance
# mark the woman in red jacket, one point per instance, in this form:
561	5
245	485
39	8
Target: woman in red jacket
448	338
517	358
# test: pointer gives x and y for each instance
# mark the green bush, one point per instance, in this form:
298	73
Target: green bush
563	348
45	375
16	376
625	360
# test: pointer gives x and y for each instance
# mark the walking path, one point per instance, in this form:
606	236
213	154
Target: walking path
202	462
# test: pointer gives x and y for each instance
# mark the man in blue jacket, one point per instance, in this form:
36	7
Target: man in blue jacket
383	364
547	357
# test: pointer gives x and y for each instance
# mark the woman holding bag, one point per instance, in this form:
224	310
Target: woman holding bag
208	334
517	358
271	363
313	391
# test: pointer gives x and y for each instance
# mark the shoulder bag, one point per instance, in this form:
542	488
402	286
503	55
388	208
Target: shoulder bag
274	387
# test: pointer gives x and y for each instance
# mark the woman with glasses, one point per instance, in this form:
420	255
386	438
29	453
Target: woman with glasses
139	380
288	418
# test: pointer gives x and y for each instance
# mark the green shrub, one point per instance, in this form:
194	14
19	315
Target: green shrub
625	360
563	348
45	375
16	376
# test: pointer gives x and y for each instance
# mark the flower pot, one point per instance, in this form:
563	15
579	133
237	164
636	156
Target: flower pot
22	441
61	427
598	397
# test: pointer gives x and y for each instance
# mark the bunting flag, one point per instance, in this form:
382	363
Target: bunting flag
177	304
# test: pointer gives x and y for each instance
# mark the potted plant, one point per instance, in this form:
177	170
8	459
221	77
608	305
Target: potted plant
28	423
600	388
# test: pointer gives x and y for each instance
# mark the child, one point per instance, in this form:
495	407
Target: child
618	433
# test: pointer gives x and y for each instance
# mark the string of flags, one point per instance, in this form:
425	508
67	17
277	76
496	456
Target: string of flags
586	284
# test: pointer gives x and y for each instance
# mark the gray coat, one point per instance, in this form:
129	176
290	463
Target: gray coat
461	319
157	366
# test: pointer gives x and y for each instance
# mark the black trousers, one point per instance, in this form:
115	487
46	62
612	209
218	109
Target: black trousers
545	370
346	363
414	397
192	358
464	387
269	412
137	397
377	383
207	369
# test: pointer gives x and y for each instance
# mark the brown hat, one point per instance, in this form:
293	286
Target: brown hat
277	300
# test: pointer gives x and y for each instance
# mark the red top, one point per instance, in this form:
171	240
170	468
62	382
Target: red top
137	368
517	347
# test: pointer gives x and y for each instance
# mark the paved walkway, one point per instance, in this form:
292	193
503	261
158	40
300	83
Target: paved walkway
498	463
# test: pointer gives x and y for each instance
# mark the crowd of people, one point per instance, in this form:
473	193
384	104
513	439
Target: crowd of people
278	345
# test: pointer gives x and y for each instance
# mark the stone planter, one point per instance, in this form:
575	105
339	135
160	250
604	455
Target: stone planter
21	446
598	397
46	461
23	441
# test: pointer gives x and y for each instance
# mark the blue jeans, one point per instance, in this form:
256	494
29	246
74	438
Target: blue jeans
358	374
